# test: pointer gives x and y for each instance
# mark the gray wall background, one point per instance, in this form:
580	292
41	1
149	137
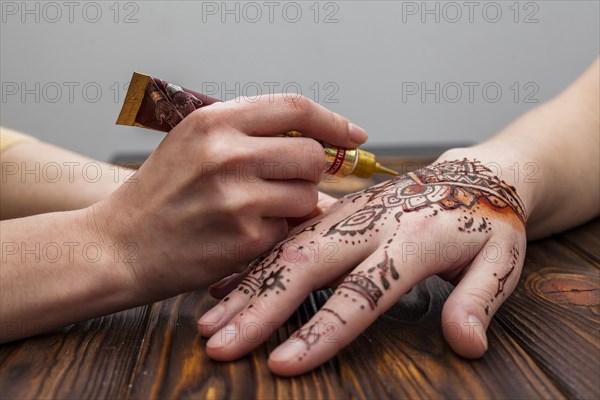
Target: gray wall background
64	66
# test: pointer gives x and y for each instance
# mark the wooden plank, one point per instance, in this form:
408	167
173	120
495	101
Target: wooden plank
585	240
174	363
91	359
553	316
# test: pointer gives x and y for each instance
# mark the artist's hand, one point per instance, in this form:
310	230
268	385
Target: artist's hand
453	218
217	191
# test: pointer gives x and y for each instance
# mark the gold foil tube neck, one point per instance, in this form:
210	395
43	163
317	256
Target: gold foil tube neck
342	162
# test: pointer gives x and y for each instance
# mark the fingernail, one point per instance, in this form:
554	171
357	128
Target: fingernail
223	337
221	283
213	316
357	134
479	329
288	350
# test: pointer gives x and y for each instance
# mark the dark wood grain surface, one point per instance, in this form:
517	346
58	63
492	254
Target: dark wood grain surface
543	343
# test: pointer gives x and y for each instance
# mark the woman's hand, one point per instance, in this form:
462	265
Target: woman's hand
217	191
453	218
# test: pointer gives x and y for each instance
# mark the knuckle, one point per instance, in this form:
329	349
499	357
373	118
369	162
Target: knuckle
479	296
203	120
340	125
300	106
275	231
315	158
220	149
308	197
252	235
237	202
258	311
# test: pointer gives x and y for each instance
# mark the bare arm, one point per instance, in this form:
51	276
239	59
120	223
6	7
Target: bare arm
561	142
38	178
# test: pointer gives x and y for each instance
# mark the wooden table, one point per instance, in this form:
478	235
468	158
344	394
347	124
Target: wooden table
544	343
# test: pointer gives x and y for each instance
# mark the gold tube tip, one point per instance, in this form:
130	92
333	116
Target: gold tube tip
380	169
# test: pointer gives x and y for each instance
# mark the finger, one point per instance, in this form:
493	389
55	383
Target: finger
325	201
292	198
491	278
257	236
287	158
281	113
372	288
226	285
273	292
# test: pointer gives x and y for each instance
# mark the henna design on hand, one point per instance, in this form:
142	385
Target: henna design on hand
450	185
444	186
268	269
359	222
463	185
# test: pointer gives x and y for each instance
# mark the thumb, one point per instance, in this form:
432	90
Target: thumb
491	278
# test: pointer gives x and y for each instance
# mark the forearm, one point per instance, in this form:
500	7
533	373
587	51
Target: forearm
55	270
551	155
38	178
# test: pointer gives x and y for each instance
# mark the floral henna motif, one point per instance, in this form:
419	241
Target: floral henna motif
443	186
451	185
359	222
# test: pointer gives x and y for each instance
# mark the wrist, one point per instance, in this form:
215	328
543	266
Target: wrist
118	253
508	164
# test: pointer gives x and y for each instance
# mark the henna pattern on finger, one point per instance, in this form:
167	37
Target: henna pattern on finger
315	332
514	259
514	255
363	286
387	265
273	282
329	310
363	283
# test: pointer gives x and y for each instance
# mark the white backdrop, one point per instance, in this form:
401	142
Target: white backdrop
411	73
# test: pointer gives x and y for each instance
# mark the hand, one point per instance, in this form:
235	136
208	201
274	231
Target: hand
225	285
217	191
453	218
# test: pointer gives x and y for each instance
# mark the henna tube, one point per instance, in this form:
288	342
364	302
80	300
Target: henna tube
155	104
